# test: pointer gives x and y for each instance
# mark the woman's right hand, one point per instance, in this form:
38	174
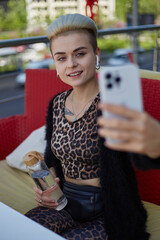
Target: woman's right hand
43	199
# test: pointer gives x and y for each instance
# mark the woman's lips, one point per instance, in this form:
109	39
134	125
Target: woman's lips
75	74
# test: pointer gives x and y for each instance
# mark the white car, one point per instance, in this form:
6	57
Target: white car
120	56
45	63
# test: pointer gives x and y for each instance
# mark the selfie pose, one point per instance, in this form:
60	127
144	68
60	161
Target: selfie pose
97	179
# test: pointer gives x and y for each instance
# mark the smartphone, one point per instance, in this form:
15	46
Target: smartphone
120	85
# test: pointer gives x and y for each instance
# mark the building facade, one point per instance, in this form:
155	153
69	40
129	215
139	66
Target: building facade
38	11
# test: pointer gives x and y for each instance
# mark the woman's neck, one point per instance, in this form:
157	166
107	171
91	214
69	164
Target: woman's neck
79	100
83	93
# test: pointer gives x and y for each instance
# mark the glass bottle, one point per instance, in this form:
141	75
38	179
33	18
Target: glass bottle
43	178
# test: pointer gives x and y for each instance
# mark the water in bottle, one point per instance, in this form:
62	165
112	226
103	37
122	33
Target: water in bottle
43	178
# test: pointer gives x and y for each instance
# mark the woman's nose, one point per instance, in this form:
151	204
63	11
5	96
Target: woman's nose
71	62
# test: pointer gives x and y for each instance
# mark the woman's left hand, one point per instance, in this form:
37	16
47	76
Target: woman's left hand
138	132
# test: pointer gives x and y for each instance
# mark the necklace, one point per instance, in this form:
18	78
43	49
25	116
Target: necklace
76	115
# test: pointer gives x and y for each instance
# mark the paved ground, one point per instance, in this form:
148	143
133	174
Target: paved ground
9	89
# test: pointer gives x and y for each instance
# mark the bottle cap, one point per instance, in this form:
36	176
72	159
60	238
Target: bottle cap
32	158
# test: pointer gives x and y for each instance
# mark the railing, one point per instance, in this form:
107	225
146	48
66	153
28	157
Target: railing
39	39
128	30
44	39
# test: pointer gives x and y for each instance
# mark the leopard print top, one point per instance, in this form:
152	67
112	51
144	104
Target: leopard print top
76	144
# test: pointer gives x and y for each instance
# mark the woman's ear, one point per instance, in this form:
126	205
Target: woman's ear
98	53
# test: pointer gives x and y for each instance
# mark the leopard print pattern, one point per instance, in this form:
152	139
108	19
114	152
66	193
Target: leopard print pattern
63	224
57	221
87	231
76	144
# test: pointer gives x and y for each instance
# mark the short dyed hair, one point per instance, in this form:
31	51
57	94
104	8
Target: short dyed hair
72	22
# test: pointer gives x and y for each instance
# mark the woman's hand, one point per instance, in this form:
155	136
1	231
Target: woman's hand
43	199
138	132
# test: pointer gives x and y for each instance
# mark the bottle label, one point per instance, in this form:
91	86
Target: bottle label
40	174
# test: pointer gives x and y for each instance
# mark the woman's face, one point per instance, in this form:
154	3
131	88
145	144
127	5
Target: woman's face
74	58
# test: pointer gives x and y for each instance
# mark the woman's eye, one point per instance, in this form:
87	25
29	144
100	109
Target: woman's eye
60	58
80	54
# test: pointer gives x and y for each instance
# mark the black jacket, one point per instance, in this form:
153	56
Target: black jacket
124	214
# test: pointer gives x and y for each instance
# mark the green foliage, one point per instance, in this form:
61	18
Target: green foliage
59	13
125	6
1	18
122	8
48	20
147	40
111	43
147	45
15	17
151	6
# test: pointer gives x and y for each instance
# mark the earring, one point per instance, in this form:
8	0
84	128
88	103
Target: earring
58	75
97	63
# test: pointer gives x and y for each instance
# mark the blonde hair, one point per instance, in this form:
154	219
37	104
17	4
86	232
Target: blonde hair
71	22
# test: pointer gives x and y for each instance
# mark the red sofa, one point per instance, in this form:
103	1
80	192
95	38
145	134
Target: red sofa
40	86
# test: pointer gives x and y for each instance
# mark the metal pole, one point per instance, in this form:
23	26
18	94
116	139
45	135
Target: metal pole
155	54
135	35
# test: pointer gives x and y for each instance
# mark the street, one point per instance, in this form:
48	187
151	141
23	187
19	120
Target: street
8	89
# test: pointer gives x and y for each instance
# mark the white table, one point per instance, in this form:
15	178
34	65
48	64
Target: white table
16	226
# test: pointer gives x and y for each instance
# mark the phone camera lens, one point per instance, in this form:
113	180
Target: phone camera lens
108	75
117	79
109	85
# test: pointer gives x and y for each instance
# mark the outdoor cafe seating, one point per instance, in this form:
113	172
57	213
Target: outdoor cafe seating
16	187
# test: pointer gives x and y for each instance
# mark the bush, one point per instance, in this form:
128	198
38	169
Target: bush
109	44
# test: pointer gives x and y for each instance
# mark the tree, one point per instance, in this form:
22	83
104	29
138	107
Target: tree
48	20
151	6
125	6
60	12
1	17
122	8
16	16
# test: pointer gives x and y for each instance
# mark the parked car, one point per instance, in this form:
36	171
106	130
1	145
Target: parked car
45	63
120	56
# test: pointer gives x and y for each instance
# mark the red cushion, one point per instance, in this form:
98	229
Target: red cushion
149	181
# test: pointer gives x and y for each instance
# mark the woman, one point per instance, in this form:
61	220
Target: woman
83	165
